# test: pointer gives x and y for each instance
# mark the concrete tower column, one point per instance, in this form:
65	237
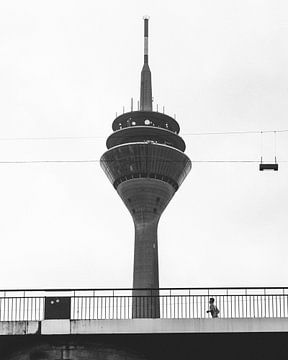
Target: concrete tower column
146	199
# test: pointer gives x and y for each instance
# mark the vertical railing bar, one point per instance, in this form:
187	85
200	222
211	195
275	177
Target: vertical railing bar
20	308
93	305
280	306
86	307
97	306
16	309
189	304
28	310
73	303
81	299
100	307
170	300
174	306
227	303
105	307
246	315
264	299
265	313
113	304
270	305
32	307
8	306
91	300
124	308
284	302
4	314
12	308
105	304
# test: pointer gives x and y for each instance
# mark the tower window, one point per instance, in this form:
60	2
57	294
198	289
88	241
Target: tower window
157	199
155	210
133	211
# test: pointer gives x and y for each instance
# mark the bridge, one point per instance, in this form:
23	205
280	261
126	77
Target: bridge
255	317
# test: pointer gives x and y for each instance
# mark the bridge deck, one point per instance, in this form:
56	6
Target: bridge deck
143	326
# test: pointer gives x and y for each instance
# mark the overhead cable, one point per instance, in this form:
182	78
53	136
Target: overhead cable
98	160
44	138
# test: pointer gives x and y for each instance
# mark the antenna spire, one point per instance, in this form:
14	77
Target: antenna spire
146	84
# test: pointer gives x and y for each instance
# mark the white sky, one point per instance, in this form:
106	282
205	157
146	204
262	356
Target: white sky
67	66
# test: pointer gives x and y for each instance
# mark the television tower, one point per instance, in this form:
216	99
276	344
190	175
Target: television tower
146	164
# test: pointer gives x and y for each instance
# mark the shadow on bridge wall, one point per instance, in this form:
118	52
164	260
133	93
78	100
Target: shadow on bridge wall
146	347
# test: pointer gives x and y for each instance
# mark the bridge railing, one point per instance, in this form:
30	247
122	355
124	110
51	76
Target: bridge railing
175	303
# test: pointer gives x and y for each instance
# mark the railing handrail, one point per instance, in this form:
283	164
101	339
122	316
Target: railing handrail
139	295
150	289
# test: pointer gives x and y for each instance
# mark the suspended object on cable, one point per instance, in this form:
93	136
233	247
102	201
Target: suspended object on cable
268	166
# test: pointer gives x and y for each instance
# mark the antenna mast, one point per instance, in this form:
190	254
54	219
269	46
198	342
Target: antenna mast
146	84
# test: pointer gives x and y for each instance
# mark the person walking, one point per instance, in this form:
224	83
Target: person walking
213	308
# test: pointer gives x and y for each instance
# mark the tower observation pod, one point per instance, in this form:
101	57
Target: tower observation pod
146	164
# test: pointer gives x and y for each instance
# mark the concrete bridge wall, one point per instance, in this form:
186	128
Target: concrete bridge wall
143	326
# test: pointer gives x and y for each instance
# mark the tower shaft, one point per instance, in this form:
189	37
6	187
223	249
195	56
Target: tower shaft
146	199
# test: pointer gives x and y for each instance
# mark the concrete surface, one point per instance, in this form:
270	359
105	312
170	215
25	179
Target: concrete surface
143	326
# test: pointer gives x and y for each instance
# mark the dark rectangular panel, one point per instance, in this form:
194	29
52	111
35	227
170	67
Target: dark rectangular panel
57	307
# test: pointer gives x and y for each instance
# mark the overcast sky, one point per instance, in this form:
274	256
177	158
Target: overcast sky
66	68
